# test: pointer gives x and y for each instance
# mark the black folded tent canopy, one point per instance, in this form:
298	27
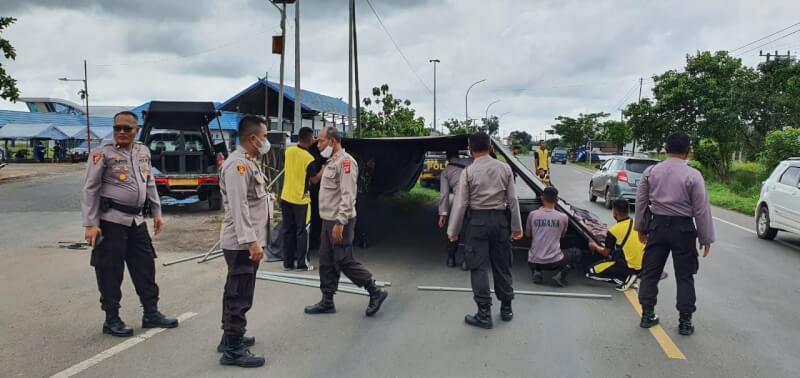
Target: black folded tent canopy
399	162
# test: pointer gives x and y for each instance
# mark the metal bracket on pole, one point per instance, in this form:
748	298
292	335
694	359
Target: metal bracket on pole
520	292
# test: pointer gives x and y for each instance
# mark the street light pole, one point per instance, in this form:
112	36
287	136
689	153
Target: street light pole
85	95
298	119
434	61
486	116
466	99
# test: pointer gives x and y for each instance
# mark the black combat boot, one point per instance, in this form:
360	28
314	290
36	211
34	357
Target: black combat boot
154	319
247	341
237	354
538	277
114	326
649	318
376	298
324	306
483	318
685	326
451	259
505	311
560	278
464	266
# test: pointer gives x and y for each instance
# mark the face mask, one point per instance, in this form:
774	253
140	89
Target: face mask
265	146
327	152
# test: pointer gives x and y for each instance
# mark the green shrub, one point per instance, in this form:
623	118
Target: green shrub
707	153
781	145
745	177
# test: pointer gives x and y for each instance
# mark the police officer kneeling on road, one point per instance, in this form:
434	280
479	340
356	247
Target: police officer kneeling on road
486	188
672	214
117	190
244	236
337	208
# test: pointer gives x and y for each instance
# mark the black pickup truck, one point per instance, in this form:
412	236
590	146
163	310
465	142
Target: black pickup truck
184	157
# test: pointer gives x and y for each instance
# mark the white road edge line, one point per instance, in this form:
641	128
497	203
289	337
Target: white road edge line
116	349
735	225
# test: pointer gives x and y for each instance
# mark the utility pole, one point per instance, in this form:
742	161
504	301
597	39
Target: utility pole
350	65
282	10
777	55
633	150
434	61
86	95
266	99
355	67
298	117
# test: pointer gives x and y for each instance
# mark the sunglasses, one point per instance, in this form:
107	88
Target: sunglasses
123	129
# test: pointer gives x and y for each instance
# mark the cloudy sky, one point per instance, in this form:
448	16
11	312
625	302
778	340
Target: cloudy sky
541	59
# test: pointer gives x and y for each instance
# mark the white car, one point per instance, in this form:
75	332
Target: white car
779	204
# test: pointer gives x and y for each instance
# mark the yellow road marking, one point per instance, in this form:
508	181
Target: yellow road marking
667	345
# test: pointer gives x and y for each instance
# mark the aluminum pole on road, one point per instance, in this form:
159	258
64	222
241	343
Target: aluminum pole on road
316	278
519	292
351	290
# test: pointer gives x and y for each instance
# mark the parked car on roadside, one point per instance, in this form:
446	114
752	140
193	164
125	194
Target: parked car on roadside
559	155
778	206
618	177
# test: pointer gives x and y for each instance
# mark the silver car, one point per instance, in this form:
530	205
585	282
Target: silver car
618	177
779	203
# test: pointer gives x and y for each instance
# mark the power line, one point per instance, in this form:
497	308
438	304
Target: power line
770	42
627	94
396	46
763	38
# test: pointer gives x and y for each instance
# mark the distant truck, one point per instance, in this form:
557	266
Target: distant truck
559	155
185	160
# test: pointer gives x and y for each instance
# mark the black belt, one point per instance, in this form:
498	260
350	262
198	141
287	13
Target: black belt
108	203
671	219
488	211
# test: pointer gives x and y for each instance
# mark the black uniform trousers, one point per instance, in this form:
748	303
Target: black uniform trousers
670	234
335	259
120	245
488	244
295	235
239	287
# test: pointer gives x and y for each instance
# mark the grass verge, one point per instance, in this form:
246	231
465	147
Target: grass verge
415	198
722	196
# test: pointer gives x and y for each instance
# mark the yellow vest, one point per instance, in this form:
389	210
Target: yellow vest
633	248
294	177
541	154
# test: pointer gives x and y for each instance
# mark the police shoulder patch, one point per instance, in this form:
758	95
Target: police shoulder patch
241	169
346	166
96	157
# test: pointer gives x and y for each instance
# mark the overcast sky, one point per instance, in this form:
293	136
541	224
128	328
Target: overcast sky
540	58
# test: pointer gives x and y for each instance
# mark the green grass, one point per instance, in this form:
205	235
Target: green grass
586	165
740	201
415	198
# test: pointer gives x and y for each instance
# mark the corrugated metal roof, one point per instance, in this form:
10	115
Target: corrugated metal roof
29	131
310	101
18	117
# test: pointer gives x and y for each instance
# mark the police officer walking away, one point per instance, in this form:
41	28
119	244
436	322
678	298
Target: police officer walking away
672	214
337	208
244	236
117	190
448	181
486	190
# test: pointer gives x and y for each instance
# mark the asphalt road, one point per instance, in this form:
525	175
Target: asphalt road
746	324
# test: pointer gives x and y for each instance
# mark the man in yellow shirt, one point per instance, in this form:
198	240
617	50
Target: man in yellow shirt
299	173
541	163
623	250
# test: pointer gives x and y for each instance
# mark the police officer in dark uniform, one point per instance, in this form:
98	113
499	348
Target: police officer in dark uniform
243	237
117	191
486	188
672	215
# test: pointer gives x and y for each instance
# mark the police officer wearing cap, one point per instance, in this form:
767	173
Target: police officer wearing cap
672	215
117	191
486	190
243	235
448	182
337	208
